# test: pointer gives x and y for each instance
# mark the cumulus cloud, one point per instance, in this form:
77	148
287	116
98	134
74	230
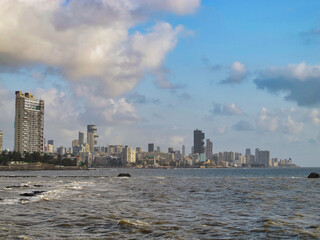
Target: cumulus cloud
282	120
89	41
243	126
315	116
227	110
300	83
291	126
108	111
238	73
267	122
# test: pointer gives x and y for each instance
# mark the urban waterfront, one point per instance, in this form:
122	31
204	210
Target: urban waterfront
253	203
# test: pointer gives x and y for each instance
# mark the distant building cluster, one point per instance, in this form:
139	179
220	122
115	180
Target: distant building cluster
29	127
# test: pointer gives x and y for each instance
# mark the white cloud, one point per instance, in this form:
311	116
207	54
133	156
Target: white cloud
292	127
89	41
266	122
177	141
238	73
224	109
287	121
315	116
300	82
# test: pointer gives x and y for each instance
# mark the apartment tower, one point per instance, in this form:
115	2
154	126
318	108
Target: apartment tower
29	123
198	143
92	136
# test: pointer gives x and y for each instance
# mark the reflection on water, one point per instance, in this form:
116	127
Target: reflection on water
174	204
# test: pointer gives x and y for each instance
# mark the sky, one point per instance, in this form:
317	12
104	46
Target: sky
246	73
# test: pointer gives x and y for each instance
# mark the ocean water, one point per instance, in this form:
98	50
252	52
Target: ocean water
161	204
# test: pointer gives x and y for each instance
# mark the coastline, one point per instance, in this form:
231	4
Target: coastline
39	167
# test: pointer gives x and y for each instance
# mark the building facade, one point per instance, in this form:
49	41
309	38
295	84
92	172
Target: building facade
92	136
209	149
150	147
81	138
29	123
198	143
129	156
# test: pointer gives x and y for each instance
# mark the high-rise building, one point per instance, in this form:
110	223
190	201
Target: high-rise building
209	148
1	140
257	157
150	147
198	137
170	150
29	123
262	157
51	142
129	155
248	151
61	151
138	149
75	142
81	138
248	156
92	136
183	150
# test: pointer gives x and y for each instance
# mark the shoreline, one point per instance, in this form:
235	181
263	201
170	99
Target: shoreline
39	167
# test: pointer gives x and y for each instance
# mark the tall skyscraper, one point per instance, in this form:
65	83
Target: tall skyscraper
257	157
29	123
1	141
248	151
183	150
248	156
209	148
81	138
198	137
92	136
150	147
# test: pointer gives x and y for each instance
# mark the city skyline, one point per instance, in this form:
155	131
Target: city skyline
247	74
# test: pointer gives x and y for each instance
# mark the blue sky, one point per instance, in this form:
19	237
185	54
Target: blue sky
247	73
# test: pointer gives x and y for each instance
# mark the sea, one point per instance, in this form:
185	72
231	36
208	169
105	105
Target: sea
253	203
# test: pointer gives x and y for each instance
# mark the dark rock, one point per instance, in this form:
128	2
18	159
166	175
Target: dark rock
124	175
38	192
314	175
23	186
36	185
27	194
32	194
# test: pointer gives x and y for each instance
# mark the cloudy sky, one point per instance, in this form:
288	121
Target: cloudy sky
247	72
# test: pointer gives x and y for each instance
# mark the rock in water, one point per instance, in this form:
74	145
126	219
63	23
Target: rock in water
124	175
314	175
32	194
